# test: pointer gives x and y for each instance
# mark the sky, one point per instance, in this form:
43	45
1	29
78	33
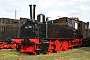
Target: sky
50	8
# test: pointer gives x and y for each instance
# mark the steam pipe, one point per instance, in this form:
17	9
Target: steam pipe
32	12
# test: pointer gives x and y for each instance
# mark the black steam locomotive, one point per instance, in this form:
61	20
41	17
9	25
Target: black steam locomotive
60	28
46	36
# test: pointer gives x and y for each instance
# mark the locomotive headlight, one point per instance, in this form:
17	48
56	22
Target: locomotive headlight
26	27
29	26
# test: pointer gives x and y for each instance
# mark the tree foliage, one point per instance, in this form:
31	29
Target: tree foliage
74	18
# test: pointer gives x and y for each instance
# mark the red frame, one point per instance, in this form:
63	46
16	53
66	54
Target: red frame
55	44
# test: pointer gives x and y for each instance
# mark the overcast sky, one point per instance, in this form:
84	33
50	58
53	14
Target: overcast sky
51	8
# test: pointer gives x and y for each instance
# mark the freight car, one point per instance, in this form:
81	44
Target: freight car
47	36
9	28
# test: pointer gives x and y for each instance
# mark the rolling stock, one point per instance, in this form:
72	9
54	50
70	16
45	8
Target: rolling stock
47	36
9	28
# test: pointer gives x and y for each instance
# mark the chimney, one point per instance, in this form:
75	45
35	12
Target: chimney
32	12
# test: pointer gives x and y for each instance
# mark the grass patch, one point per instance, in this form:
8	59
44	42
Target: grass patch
72	54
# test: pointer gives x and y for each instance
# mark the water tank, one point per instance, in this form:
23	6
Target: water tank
41	18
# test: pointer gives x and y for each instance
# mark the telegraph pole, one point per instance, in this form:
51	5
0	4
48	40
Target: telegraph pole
16	13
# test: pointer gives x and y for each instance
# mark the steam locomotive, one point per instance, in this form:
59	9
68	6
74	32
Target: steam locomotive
47	36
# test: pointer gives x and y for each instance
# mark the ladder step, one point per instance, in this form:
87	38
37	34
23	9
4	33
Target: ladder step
38	43
38	49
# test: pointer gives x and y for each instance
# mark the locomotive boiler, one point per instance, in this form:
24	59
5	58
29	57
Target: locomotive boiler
46	36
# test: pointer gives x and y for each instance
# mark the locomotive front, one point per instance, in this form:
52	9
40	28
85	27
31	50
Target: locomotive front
27	30
34	28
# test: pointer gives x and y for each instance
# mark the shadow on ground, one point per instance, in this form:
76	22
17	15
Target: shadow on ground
85	48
